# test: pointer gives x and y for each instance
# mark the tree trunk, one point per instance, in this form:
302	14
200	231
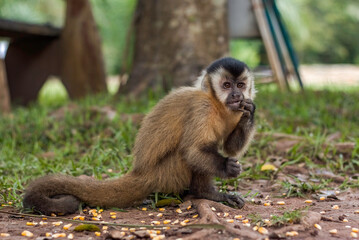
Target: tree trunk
83	69
4	90
174	41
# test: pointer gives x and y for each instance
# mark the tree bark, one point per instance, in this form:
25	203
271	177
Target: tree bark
83	69
4	90
174	41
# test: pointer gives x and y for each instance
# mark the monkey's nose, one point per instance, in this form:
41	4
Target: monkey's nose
237	96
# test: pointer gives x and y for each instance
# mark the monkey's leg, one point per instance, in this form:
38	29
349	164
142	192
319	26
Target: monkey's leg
201	187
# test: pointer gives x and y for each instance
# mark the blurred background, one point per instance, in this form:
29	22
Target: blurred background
324	34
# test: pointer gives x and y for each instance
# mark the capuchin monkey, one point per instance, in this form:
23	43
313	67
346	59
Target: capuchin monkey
191	136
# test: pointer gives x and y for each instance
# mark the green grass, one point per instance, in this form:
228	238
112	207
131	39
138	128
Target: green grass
83	141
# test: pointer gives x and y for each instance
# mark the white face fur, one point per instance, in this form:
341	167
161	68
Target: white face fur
218	76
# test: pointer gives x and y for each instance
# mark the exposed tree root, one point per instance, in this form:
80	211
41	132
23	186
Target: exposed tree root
208	216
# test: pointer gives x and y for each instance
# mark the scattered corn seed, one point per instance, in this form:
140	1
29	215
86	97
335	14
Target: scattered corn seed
238	216
3	205
292	234
262	230
178	210
44	219
132	229
42	223
27	234
335	207
143	222
245	221
353	235
150	214
218	214
95	214
281	203
144	209
67	226
213	209
317	226
356	230
158	232
267	221
113	216
112	213
266	198
167	228
230	220
57	223
189	207
356	211
100	211
156	222
322	212
333	231
160	215
31	223
345	220
48	234
255	228
59	235
124	229
236	239
70	236
186	221
175	222
225	214
10	203
95	219
98	234
337	192
183	224
247	224
161	209
104	227
166	221
195	216
308	201
322	198
4	235
266	204
347	226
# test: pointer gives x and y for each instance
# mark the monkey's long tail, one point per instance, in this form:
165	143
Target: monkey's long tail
62	194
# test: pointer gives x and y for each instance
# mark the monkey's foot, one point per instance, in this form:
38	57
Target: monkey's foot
207	215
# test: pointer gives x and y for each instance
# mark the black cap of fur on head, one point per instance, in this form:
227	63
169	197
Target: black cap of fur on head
234	66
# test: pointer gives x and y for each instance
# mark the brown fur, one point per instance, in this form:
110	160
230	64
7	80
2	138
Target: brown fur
176	148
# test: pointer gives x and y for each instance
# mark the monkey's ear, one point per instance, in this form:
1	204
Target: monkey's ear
203	81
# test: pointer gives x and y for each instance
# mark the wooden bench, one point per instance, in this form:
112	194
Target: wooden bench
36	52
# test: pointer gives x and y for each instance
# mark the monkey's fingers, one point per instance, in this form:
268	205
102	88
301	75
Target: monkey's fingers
235	200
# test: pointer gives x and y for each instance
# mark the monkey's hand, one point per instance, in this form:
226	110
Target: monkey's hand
234	200
233	168
248	108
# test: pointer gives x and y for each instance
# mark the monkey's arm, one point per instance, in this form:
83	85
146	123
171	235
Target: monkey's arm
239	140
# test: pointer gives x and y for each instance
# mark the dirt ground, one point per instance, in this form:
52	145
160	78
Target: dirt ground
343	218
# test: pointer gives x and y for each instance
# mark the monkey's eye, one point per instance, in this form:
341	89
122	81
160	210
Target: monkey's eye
227	85
240	85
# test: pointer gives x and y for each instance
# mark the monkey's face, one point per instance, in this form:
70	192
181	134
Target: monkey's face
231	89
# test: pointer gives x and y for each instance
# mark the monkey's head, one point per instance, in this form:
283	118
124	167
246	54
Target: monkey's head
229	80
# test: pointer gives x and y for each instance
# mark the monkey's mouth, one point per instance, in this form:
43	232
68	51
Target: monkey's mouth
233	104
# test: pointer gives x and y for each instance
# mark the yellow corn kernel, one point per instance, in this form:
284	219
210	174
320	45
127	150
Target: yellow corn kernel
53	215
335	207
247	224
245	221
95	219
161	209
353	235
317	226
42	223
213	209
238	216
225	214
345	220
48	234
189	207
236	239
10	203
267	221
266	204
31	223
144	209
44	218
27	234
124	229
113	216
4	235
255	228
291	234
262	230
195	216
166	221
143	222
281	203
356	211
156	222
95	214
175	222
160	215
67	226
100	211
183	224
308	201
132	229
333	231
70	236
158	232
322	212
59	235
230	220
186	221
178	210
322	198
112	213
356	230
